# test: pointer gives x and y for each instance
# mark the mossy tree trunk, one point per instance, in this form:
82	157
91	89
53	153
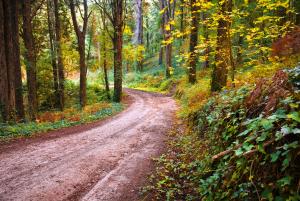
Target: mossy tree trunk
223	49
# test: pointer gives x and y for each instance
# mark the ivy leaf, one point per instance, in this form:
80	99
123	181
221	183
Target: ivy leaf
267	124
275	156
296	131
285	130
263	137
244	132
286	162
247	146
267	194
284	181
261	149
239	152
295	116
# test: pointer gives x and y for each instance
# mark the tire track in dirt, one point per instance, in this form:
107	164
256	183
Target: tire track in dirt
108	162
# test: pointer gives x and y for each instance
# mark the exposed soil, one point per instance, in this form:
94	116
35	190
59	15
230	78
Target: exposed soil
107	160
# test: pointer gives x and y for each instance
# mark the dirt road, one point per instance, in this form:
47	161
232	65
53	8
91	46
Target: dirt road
106	162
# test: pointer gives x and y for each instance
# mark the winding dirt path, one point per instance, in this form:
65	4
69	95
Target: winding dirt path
105	162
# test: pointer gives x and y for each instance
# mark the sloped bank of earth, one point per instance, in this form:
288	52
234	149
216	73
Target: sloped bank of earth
242	145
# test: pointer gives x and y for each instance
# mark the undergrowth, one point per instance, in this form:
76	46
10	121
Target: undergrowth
54	120
242	144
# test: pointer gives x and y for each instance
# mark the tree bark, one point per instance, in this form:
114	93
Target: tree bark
118	43
53	51
206	36
10	57
222	57
18	75
193	42
81	48
106	82
60	66
30	59
4	100
83	70
168	16
138	33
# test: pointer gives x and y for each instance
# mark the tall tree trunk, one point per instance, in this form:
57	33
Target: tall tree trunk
83	70
118	43
297	11
147	35
30	59
106	82
60	66
206	36
222	57
161	56
10	57
168	16
18	75
53	50
138	33
193	42
80	33
162	32
4	100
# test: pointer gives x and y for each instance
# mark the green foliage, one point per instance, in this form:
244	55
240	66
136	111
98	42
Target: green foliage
232	153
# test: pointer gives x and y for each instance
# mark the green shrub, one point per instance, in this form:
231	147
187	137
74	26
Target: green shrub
243	145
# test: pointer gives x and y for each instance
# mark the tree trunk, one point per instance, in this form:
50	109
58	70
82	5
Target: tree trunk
83	70
162	32
193	42
53	51
60	66
168	60
222	57
206	36
10	56
161	56
4	100
80	33
30	59
18	76
138	33
105	70
118	53
168	15
118	43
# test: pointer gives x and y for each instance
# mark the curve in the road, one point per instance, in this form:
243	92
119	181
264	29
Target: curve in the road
107	162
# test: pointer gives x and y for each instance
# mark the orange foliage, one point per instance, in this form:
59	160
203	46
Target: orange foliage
268	93
71	114
287	45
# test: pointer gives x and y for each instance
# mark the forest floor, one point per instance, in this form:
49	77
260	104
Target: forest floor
109	160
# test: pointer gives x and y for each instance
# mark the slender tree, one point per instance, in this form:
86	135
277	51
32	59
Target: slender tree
81	35
115	14
193	41
51	22
104	50
138	33
169	11
162	32
223	49
18	75
60	66
30	58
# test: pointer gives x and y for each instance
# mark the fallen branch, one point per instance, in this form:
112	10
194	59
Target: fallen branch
223	153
